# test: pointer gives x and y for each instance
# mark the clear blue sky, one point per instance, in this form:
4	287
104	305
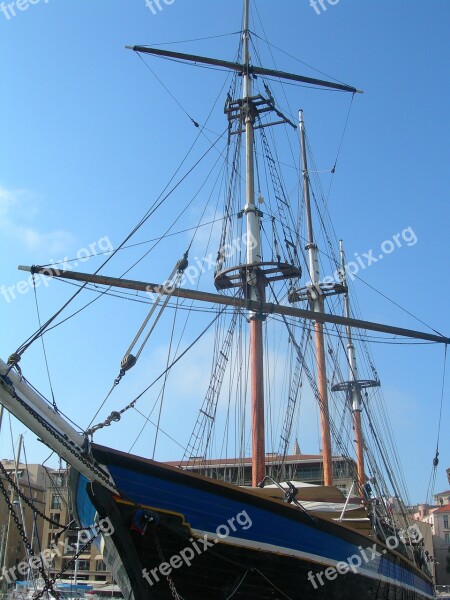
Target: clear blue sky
89	139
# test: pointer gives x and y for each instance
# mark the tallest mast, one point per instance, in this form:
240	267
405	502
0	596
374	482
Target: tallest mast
255	275
255	286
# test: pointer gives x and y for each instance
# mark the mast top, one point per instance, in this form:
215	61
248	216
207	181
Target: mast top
246	15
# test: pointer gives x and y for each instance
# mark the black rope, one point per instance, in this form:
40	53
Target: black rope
442	398
236	589
179	306
131	297
194	122
26	541
55	488
71	421
158	202
165	381
397	305
174	278
43	345
273	585
338	440
30	503
296	58
210	37
127	247
333	170
432	481
148	420
35	527
116	415
355	275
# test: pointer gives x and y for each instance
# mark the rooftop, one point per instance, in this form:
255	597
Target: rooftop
270	459
441	509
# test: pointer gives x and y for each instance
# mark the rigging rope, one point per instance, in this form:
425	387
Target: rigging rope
283	208
148	420
25	539
116	415
210	37
313	384
189	309
432	482
165	380
333	170
198	445
273	585
14	359
43	344
281	83
30	503
151	241
384	422
35	531
194	122
168	290
295	385
297	59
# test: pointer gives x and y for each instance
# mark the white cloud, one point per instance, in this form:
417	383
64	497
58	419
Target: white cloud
19	207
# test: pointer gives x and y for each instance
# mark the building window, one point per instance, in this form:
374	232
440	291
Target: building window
55	517
447	538
446	521
71	544
58	480
67	564
100	566
83	564
56	501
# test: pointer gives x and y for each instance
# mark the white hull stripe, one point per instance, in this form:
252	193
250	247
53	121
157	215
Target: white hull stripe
321	560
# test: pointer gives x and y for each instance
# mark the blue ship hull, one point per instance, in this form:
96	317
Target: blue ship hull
210	540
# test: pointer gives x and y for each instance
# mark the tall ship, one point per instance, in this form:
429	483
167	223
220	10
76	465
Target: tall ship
277	318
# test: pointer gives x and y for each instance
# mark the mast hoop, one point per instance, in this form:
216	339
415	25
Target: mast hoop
345	386
308	292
